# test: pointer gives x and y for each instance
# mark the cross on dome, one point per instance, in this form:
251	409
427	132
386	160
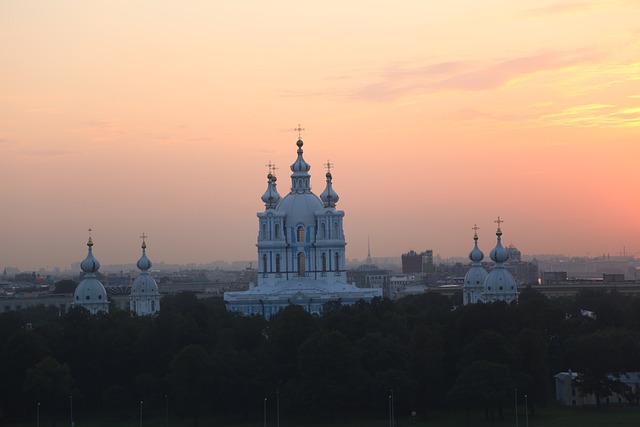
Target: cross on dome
272	167
328	165
144	243
90	242
299	129
498	221
475	229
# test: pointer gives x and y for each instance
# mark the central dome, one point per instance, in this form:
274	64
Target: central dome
300	208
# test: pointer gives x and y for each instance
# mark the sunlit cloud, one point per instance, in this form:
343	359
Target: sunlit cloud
595	115
558	8
469	76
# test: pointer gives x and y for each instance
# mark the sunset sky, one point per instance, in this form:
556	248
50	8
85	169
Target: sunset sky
159	116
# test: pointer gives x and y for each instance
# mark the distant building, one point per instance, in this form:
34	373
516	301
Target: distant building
569	394
301	250
414	263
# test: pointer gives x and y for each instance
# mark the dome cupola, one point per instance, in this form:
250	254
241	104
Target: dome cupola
271	196
329	197
476	254
300	180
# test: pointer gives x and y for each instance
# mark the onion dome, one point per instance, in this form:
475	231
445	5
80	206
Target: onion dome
271	196
476	254
329	197
90	264
499	254
300	176
144	263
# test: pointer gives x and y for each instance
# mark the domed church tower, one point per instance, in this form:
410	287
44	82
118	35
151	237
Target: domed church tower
301	248
90	293
145	298
476	276
500	284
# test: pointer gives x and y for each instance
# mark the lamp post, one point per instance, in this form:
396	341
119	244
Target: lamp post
71	409
390	411
526	411
141	413
393	410
277	408
265	412
38	415
166	410
515	392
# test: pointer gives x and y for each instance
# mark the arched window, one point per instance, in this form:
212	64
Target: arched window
324	262
335	231
300	234
301	260
276	231
337	261
277	263
264	263
264	231
323	230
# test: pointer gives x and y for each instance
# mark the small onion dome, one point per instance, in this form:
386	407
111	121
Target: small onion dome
144	263
476	254
300	165
499	253
90	264
271	196
329	197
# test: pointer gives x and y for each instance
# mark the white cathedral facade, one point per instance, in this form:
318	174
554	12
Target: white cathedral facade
498	285
301	250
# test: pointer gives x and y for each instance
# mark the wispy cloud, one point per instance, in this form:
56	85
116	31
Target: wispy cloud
467	75
558	8
596	115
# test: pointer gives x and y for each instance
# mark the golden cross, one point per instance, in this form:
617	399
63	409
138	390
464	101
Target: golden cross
328	165
299	129
498	221
272	167
144	243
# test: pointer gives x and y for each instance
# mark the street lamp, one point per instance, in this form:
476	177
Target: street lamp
141	413
526	410
393	410
71	406
166	410
38	415
277	408
515	392
390	411
265	412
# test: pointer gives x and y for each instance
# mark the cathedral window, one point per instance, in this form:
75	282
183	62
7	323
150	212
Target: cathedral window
277	263
300	234
277	231
335	230
324	262
337	258
264	263
264	231
301	264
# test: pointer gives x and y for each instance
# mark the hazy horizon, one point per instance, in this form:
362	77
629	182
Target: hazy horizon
160	118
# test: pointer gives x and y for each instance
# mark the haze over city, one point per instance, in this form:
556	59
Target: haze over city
160	118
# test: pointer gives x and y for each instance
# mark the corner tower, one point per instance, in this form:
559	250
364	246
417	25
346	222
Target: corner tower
90	293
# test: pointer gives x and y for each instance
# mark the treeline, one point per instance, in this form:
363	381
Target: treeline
198	359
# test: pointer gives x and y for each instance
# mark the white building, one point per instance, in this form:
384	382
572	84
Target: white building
498	285
145	298
301	250
90	293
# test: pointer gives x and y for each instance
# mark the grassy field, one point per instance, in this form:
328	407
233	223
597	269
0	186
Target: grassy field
552	416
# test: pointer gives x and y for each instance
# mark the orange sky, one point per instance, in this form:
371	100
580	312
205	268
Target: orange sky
160	116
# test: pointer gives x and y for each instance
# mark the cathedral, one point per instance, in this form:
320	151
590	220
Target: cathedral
498	285
301	249
92	295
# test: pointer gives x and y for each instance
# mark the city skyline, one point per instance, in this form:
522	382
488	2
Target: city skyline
161	118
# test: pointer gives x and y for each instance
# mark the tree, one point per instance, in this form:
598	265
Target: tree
482	384
50	383
190	381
